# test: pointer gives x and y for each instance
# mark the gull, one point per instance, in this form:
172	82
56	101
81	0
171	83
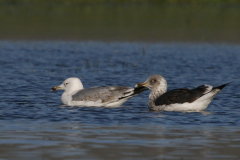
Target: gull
182	99
102	96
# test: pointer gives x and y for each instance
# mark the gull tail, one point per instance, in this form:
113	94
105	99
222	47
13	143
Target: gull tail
139	90
136	91
222	86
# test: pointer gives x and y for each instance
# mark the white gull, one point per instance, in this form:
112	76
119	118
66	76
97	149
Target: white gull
75	95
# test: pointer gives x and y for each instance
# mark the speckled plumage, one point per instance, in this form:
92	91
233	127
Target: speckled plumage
182	99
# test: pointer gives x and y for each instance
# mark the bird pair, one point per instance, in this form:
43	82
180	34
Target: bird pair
182	99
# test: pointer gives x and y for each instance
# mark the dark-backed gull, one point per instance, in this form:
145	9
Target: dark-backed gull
107	96
182	99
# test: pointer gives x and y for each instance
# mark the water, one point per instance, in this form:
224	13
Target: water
34	124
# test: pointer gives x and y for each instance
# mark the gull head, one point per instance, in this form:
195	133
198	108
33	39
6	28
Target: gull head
69	85
154	82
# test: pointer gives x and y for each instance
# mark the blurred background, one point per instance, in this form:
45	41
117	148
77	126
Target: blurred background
121	20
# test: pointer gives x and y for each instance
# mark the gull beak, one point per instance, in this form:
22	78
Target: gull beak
143	84
56	88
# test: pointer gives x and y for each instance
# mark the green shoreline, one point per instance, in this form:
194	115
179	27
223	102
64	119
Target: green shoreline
50	21
116	2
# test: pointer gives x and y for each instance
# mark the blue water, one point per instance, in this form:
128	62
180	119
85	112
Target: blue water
34	124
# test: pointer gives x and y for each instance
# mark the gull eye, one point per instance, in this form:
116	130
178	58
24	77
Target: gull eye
66	84
153	80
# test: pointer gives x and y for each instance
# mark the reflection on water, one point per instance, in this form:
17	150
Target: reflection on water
69	141
34	124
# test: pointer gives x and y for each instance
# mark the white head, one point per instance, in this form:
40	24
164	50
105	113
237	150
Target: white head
70	85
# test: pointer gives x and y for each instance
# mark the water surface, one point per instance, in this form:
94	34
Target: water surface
34	124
